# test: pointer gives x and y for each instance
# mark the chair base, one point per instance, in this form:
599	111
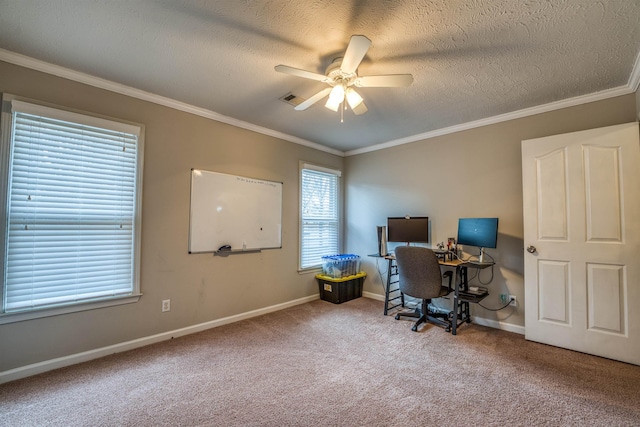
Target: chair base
425	316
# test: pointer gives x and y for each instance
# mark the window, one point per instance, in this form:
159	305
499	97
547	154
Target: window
319	217
71	195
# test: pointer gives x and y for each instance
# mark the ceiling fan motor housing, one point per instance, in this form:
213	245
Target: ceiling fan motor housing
337	76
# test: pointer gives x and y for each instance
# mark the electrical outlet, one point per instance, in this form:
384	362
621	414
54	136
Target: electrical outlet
166	305
512	300
503	298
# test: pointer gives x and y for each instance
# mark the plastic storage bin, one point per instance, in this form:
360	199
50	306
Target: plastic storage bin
338	266
340	290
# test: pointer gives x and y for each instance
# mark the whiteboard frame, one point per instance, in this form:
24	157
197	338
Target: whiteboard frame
256	209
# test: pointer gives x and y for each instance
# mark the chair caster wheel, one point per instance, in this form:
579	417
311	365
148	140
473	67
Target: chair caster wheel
414	328
447	330
397	317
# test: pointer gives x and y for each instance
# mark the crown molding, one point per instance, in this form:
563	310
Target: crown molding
634	78
565	103
56	70
35	64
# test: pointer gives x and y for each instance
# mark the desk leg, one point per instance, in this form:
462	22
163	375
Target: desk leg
454	319
466	314
464	281
388	289
456	309
460	309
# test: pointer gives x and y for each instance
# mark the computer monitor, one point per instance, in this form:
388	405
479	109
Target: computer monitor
408	229
479	232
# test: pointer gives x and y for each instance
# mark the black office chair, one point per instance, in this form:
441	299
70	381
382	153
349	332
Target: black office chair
420	277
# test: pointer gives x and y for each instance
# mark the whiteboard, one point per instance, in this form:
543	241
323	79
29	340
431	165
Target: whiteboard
242	212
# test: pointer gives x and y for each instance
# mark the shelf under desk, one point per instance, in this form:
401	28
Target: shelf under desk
472	296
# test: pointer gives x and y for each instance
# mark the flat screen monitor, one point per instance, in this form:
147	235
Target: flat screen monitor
480	232
408	229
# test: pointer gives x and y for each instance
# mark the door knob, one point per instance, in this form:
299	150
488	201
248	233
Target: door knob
531	249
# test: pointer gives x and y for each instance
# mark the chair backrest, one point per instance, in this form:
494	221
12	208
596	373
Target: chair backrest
418	272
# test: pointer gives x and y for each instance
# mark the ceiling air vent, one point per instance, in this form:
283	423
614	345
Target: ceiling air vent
292	99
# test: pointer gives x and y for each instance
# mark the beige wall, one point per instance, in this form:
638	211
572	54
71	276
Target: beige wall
472	173
475	173
201	287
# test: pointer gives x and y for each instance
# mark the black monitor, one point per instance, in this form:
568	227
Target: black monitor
408	229
479	232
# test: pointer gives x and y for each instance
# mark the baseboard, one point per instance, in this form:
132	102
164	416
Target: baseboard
373	296
498	325
61	362
477	320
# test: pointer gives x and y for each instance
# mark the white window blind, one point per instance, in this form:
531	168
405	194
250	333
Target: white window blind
71	209
319	215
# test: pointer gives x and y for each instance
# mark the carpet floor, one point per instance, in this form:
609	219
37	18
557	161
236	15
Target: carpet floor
321	364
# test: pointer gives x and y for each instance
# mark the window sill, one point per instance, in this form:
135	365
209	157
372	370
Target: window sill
311	270
66	309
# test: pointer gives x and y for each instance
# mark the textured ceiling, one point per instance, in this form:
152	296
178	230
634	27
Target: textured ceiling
470	60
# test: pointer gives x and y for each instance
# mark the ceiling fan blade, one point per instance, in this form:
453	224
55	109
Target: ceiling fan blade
390	80
360	109
358	47
315	98
301	73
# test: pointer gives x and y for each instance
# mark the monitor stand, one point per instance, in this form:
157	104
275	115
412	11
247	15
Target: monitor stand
481	259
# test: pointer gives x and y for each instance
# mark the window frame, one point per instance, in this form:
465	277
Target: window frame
6	148
338	175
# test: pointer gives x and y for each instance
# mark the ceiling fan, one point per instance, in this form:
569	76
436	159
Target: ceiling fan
341	76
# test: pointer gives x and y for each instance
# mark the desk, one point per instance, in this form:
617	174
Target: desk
461	295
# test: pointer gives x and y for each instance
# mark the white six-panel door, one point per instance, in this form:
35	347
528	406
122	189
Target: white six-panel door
581	200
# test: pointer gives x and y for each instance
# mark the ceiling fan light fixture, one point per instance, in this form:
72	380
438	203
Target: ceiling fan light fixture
337	94
353	98
336	97
333	104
